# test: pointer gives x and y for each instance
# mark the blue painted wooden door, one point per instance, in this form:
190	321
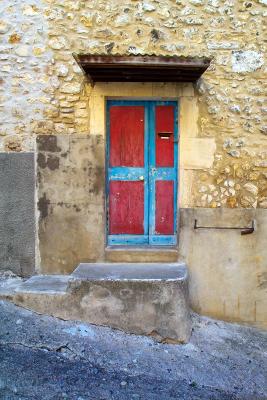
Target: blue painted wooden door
142	152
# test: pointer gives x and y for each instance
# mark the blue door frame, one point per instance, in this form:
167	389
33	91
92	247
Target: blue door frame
150	172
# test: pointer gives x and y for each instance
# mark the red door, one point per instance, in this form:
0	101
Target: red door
141	184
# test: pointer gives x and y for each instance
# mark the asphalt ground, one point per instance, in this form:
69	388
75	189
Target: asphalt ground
42	357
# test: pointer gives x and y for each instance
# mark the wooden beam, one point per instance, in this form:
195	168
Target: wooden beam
141	68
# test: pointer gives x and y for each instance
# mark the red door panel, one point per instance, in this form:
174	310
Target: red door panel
126	207
164	136
126	136
164	207
141	158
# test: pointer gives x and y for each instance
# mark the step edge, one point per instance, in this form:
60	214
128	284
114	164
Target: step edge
139	263
114	279
141	249
44	292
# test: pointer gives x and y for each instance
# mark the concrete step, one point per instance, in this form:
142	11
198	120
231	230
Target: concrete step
45	284
8	286
147	299
131	271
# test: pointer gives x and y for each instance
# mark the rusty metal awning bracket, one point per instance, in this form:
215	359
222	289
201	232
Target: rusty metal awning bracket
149	68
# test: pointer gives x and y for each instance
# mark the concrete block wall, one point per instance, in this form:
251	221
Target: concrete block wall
17	213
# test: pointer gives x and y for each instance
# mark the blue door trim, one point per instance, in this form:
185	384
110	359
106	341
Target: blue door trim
127	239
150	174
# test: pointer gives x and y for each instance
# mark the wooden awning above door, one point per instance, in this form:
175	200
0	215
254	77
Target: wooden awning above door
150	68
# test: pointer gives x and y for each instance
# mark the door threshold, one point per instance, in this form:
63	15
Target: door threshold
141	254
141	248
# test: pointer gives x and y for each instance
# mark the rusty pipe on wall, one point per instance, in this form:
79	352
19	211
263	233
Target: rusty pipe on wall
244	230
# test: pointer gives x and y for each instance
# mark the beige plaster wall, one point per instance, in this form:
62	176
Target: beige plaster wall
227	270
70	190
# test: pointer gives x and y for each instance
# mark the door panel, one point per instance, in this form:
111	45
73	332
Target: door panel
127	136
164	208
142	173
126	207
164	136
127	173
163	174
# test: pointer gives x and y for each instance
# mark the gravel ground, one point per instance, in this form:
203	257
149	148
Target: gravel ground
46	358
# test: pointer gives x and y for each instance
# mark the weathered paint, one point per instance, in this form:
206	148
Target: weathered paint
126	207
129	168
163	118
126	136
164	222
137	127
126	196
164	136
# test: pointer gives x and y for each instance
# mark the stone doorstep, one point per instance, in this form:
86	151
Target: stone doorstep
131	271
45	284
10	285
146	299
122	254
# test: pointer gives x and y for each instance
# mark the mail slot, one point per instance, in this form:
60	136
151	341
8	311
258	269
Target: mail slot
165	135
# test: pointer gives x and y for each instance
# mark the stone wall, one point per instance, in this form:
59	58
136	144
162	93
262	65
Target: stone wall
38	38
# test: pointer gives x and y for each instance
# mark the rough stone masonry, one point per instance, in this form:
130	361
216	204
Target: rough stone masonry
38	38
